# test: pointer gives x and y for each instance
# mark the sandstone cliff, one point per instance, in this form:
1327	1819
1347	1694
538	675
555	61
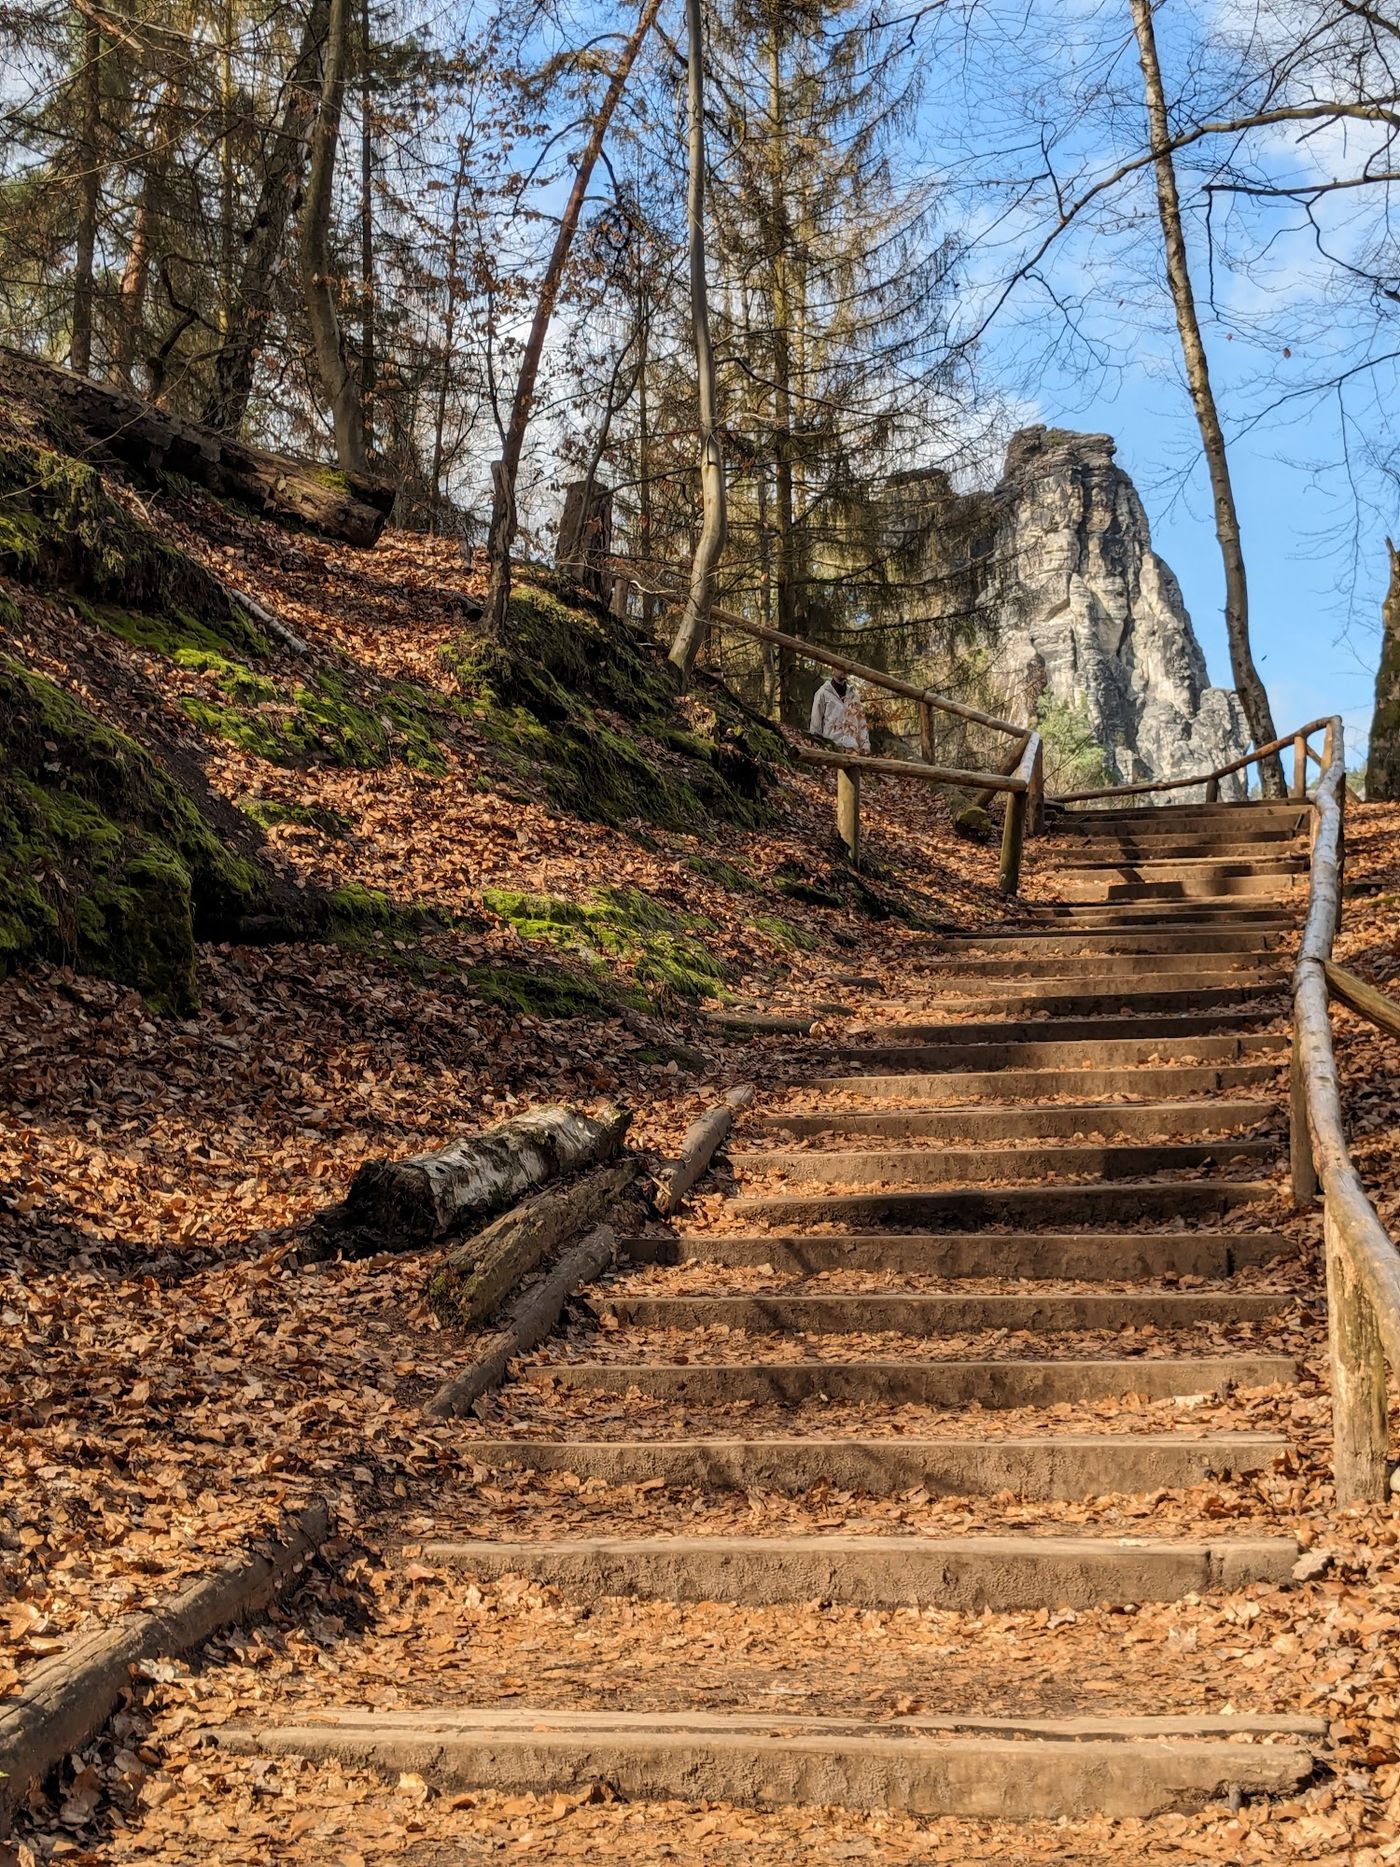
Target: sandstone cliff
1059	565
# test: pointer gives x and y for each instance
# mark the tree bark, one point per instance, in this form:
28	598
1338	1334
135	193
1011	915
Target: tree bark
400	1204
235	362
1383	760
699	1145
147	439
131	293
1248	685
318	279
505	472
80	346
369	358
584	543
473	1279
710	544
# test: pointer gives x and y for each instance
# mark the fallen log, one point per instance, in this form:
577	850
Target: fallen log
702	1139
474	1277
397	1205
69	1698
530	1321
151	440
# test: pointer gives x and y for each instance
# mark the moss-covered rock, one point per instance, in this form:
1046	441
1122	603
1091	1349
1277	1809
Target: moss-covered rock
583	706
271	813
661	947
322	723
59	528
549	992
105	861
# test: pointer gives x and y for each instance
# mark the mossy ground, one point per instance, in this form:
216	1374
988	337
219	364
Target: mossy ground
660	947
580	703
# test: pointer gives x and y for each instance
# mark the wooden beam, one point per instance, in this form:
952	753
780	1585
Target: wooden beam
907	768
1365	999
1200	777
848	811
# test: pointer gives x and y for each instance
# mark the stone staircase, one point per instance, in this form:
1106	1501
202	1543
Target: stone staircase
1008	1246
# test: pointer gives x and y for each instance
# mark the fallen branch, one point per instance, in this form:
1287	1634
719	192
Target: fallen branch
266	620
70	1697
760	1021
397	1205
702	1138
474	1277
532	1319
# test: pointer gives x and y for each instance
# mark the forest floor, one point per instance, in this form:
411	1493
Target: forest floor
176	1383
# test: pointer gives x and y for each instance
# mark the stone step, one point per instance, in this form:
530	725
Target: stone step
1087	1256
1167	972
1139	1079
960	1574
1055	941
966	1051
1170	845
1010	1121
1169	868
1016	1166
1094	1203
1046	1466
945	1385
925	1315
1091	1038
1164	916
1243	817
1098	888
1096	998
1001	1768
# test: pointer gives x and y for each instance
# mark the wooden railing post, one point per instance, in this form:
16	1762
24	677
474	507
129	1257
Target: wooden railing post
1013	837
1300	766
1360	1428
1035	796
926	733
1302	1167
848	811
1212	790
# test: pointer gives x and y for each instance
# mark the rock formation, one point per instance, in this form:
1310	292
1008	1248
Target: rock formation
1058	560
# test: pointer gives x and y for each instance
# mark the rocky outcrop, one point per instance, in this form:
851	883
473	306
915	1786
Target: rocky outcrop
1059	563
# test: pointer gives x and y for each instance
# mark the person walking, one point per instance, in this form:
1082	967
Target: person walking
838	716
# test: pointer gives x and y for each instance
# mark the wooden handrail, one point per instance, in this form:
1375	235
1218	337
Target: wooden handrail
1202	777
1363	1266
1367	1000
832	658
911	768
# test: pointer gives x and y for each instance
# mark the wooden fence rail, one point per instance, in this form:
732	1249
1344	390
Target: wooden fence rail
1021	779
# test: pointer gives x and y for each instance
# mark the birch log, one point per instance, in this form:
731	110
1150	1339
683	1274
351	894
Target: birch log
475	1276
703	1138
397	1204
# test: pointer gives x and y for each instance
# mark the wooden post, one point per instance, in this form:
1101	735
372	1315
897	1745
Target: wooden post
848	812
1035	797
1302	1167
926	748
1212	790
1300	767
1360	1432
1013	836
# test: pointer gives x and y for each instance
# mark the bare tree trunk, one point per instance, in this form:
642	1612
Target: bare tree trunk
1383	761
131	293
449	329
369	361
317	278
80	348
1248	685
710	544
235	363
780	314
505	471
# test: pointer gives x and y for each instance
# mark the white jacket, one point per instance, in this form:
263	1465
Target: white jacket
841	719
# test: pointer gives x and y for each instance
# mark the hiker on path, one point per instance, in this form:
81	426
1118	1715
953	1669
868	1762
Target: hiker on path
837	715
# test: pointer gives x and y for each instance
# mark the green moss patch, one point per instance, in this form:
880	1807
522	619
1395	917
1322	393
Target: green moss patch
660	946
270	814
582	706
737	881
323	723
105	862
59	529
550	992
